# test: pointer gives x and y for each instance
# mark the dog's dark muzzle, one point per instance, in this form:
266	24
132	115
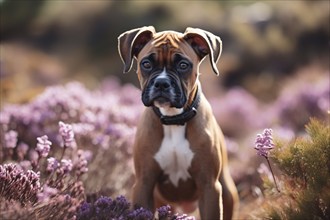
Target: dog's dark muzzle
164	90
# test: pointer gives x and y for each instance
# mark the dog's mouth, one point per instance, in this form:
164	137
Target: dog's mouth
158	99
162	99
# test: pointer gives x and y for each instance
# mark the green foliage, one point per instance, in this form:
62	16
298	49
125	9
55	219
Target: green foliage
305	179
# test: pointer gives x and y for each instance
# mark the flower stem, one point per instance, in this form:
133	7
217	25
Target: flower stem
271	170
64	148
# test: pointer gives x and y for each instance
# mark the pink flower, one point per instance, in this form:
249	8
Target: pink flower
11	139
19	185
22	148
81	163
66	165
43	146
67	134
46	194
52	164
264	143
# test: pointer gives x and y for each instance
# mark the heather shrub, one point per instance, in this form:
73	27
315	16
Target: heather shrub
238	109
103	122
239	113
43	159
43	185
119	208
70	144
48	167
300	100
15	184
305	177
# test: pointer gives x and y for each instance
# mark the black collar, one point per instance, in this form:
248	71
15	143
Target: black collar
182	118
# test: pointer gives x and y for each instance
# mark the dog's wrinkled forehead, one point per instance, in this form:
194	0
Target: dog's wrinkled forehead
167	38
165	44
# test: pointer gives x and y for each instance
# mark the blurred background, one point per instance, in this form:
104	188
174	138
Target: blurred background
264	42
274	65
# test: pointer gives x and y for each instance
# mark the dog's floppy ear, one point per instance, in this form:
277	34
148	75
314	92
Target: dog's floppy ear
130	43
204	43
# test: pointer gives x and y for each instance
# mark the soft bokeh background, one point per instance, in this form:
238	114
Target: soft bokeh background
274	69
265	42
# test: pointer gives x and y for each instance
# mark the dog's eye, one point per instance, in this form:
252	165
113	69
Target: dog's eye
183	65
146	64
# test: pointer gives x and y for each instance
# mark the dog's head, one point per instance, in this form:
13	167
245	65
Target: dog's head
168	62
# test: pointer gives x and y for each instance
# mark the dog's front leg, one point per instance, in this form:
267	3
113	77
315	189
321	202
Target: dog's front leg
147	173
210	202
143	193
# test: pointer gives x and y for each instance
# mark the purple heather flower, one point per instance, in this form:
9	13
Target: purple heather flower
182	217
87	154
103	207
116	208
106	208
33	155
4	118
22	149
264	143
52	164
17	184
301	100
81	163
119	208
121	204
25	165
103	202
140	214
164	212
34	178
11	139
43	146
85	211
238	109
66	165
67	134
46	193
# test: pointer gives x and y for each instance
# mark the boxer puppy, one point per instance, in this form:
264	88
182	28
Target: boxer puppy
179	152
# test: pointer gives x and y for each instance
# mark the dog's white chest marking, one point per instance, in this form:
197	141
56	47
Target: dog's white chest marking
174	155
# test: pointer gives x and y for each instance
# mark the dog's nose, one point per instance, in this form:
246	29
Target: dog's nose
162	84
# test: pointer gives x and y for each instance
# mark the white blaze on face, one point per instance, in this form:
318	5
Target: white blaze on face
162	74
